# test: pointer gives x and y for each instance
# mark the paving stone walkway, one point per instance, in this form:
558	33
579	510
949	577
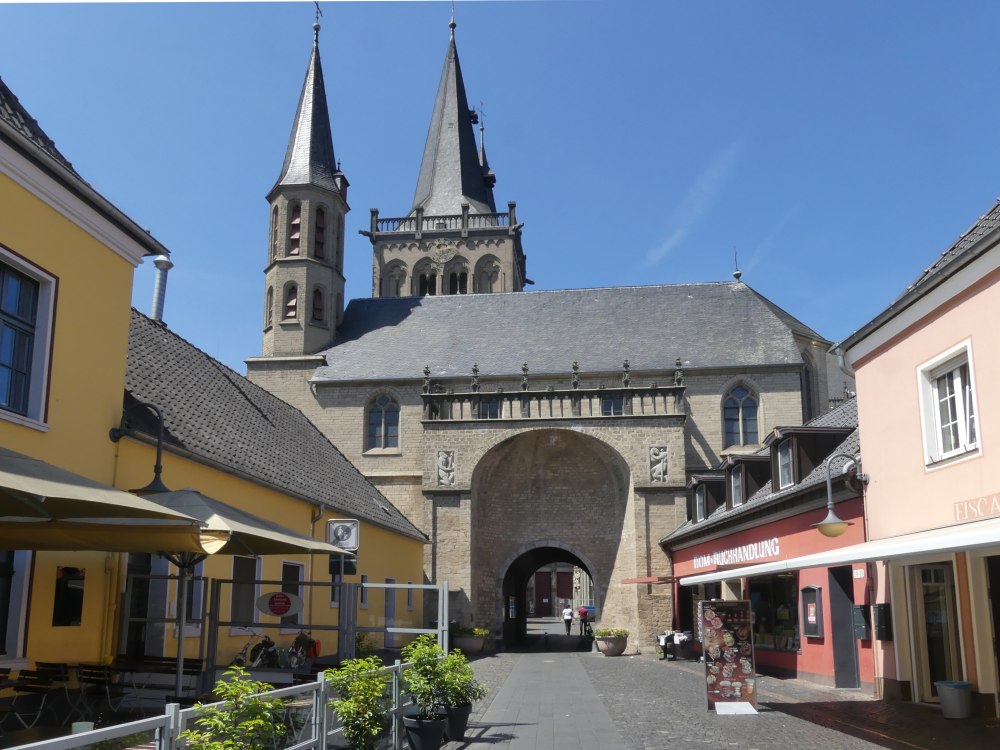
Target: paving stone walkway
554	698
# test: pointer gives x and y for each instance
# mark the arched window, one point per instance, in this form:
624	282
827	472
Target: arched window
458	283
273	252
319	234
295	229
394	280
428	284
739	410
317	306
340	243
383	423
269	308
291	302
488	277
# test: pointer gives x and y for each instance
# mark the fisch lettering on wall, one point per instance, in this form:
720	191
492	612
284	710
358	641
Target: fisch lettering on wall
978	507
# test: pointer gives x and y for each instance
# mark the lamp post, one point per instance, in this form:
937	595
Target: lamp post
833	525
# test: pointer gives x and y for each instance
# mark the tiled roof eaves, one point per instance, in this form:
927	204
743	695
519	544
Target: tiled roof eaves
215	413
764	498
974	242
57	168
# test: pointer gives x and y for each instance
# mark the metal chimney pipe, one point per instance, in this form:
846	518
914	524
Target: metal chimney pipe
163	264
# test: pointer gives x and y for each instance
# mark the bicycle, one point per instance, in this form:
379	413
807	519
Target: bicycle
588	632
300	649
245	654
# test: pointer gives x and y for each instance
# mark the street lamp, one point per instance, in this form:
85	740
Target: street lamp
833	525
117	433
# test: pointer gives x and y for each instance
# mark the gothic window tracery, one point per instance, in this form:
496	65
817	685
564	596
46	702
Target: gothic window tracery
394	280
739	412
383	423
488	275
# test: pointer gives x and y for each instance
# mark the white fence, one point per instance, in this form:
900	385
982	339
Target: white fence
308	719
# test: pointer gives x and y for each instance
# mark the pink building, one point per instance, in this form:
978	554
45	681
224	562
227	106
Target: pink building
925	370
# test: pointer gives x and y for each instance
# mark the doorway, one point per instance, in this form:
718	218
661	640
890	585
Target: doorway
845	646
935	646
993	589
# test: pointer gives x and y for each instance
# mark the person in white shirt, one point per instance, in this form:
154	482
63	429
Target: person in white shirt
567	615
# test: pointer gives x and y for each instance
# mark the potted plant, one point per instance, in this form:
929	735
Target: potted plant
469	640
362	707
244	721
424	683
611	641
459	689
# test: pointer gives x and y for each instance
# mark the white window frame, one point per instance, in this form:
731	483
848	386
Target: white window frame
38	384
699	503
786	460
300	592
736	486
929	375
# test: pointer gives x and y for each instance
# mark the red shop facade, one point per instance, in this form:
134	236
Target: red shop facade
812	624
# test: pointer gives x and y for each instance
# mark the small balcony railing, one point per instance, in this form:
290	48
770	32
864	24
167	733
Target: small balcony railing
420	222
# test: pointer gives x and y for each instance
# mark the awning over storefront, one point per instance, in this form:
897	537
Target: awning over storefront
962	537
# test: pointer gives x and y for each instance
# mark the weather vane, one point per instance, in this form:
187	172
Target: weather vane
318	11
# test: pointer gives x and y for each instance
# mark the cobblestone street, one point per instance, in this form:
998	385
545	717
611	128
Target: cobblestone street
562	698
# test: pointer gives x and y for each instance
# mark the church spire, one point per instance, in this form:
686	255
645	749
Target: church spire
451	172
309	159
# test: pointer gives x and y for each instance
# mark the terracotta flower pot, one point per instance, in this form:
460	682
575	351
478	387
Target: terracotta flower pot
469	644
612	645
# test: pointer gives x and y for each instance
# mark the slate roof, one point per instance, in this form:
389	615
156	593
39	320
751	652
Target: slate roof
309	158
845	415
706	325
964	250
450	171
217	414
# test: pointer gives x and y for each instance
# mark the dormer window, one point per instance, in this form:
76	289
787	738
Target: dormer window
699	503
736	486
786	469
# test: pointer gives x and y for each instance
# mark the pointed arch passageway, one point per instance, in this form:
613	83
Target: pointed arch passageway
540	497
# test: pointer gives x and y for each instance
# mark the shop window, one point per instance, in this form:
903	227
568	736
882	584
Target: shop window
67	604
812	612
774	600
949	406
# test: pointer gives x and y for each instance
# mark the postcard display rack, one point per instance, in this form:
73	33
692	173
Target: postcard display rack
727	643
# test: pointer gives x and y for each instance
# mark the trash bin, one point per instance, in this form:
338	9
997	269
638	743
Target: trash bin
956	698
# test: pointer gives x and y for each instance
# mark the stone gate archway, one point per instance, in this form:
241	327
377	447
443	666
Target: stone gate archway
548	495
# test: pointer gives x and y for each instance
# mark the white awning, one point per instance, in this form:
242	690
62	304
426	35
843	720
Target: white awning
962	537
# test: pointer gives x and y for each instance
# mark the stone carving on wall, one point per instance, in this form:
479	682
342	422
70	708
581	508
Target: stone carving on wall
446	468
657	463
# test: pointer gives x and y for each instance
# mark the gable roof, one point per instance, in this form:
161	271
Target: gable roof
705	325
219	416
972	243
20	131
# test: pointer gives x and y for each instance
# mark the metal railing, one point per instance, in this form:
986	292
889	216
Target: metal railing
308	719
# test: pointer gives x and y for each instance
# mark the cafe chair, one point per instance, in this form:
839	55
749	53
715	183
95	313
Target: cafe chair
99	689
59	673
31	691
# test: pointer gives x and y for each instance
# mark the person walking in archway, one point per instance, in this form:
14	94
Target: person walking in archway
567	615
584	615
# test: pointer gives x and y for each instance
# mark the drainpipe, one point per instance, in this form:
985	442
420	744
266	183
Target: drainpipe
163	264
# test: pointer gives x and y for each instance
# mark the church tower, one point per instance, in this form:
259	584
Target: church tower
304	277
453	241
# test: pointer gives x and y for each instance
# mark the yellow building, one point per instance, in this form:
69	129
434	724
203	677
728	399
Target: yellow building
67	257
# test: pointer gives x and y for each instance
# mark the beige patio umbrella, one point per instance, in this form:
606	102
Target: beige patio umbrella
44	507
244	534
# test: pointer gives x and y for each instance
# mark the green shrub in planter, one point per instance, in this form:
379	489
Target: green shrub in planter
362	708
245	721
611	633
424	679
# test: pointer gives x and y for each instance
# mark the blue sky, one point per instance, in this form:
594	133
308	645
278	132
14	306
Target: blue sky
837	147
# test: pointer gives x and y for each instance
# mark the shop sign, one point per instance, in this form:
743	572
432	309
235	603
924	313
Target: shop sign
279	604
978	507
741	554
727	638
